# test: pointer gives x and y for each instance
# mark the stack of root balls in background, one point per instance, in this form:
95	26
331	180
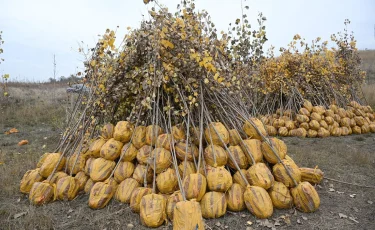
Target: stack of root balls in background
162	177
319	121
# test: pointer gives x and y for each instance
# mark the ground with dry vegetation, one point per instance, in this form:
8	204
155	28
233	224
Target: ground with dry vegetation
39	112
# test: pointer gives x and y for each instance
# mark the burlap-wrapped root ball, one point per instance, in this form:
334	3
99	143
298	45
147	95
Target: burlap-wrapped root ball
357	130
305	197
142	171
101	169
312	133
219	179
166	181
217	134
280	196
302	118
111	181
187	215
88	165
237	156
281	174
123	131
283	131
49	164
57	176
153	210
278	145
252	147
290	125
101	193
372	127
128	152
312	175
188	151
305	126
42	159
171	203
215	156
139	137
194	186
162	158
322	132
300	132
278	123
235	199
252	131
304	111
107	131
213	205
42	193
144	154
315	117
234	137
111	150
95	147
164	141
67	188
307	105
186	168
178	132
136	197
272	131
237	178
88	186
152	133
125	190
81	180
260	175
124	170
258	202
79	164
314	124
28	179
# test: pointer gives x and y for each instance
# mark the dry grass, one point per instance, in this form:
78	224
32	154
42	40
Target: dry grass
369	93
34	105
368	64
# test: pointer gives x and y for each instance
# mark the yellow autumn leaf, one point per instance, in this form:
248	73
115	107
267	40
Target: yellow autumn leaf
93	63
167	44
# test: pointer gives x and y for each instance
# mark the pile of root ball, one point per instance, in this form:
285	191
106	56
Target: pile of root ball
162	175
169	126
318	121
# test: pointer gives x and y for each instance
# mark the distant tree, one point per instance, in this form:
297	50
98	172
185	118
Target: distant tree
1	43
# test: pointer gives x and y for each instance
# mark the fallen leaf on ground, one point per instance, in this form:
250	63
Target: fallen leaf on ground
23	142
352	195
12	130
353	219
331	190
18	215
342	215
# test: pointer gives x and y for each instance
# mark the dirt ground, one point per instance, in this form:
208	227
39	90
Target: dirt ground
343	206
39	113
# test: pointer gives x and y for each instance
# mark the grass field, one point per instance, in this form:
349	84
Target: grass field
39	112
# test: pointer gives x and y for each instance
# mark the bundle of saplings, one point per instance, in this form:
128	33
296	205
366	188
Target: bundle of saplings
164	131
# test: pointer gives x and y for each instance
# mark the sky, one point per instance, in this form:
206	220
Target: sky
34	31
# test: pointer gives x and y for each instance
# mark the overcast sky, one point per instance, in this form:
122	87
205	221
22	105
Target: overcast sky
35	30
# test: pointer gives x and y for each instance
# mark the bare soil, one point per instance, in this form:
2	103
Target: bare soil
343	206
